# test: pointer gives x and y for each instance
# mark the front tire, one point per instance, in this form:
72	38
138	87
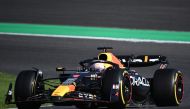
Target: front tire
27	85
168	87
123	95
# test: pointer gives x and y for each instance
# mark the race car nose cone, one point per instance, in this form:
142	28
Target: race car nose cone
63	89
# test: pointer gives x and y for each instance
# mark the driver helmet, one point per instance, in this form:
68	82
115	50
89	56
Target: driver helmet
100	66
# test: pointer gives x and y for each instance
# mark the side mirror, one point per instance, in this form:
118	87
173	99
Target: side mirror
60	69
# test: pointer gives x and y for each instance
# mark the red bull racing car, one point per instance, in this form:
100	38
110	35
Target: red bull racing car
105	81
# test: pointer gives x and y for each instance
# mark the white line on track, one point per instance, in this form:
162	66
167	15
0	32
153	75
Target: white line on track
97	38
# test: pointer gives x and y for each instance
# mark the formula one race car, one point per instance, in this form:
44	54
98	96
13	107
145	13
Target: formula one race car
104	81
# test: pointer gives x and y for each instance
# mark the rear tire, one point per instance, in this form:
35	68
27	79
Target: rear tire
167	87
26	86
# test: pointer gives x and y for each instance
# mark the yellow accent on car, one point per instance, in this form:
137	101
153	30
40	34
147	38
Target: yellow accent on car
146	59
110	57
107	65
121	91
63	89
175	91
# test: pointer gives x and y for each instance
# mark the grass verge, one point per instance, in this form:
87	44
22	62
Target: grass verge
5	79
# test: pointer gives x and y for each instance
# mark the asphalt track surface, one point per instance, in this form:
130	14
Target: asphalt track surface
23	52
141	14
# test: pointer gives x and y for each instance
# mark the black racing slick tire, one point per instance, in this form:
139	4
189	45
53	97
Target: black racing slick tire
168	87
116	77
27	85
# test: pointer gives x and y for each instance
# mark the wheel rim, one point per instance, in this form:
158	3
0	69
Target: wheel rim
125	90
179	88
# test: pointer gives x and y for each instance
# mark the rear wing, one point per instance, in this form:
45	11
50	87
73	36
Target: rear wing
142	60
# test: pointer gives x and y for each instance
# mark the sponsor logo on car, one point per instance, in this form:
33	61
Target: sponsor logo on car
86	96
137	81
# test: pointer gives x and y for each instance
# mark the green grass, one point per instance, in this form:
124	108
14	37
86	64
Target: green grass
5	79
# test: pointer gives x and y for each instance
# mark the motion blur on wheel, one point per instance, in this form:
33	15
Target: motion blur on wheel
107	80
